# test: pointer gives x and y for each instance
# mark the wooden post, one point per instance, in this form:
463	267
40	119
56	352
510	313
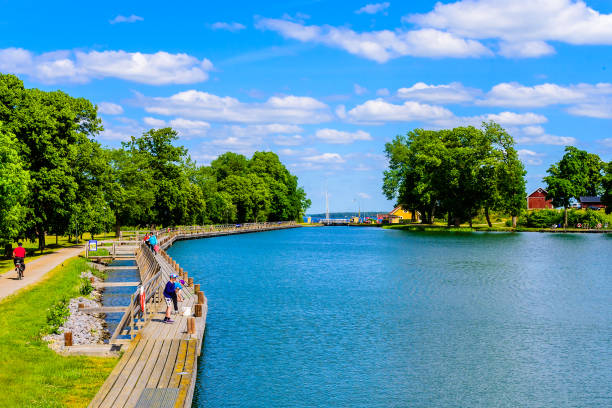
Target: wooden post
68	339
190	282
200	296
181	271
196	288
81	306
186	278
92	279
197	310
191	329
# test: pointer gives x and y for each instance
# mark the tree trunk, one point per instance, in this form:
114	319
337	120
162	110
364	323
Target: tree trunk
432	215
514	221
470	222
565	217
449	219
487	217
117	229
413	216
41	240
457	221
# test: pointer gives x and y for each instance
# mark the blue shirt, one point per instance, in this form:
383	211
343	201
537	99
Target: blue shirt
153	240
169	290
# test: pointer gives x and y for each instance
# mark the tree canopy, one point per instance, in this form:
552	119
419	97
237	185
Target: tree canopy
577	174
456	172
56	178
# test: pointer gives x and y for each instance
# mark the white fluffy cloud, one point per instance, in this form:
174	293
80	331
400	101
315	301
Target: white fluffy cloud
373	8
517	95
202	105
109	108
522	27
233	27
451	93
334	136
359	90
379	110
591	110
161	68
379	46
365	196
185	127
530	135
294	140
325	158
123	19
530	157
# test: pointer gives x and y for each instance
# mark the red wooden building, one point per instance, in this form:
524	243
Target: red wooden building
593	203
537	200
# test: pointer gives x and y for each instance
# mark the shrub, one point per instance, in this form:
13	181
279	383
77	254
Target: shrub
57	315
86	287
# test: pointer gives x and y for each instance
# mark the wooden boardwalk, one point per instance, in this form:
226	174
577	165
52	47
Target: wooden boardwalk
160	367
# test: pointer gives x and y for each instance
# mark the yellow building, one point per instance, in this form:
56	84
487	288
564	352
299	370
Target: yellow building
399	215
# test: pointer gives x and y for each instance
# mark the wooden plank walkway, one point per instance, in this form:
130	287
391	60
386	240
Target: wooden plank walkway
160	367
162	357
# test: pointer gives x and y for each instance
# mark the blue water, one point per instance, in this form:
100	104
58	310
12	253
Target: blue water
364	317
120	295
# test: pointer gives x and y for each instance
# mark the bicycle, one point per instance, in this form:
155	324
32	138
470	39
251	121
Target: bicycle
19	268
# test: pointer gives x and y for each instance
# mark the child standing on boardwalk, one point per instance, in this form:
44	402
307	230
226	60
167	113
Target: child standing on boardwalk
170	295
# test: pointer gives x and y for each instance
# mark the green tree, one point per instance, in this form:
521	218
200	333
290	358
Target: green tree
578	173
607	188
52	130
14	181
456	171
175	200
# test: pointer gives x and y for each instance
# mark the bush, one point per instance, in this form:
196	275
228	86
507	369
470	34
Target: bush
57	315
588	218
86	287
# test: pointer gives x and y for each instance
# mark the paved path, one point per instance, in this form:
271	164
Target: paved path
36	270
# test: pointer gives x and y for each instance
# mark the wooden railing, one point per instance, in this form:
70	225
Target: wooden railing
155	271
152	280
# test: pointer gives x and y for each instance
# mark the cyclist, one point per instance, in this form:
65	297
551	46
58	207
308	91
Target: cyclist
19	255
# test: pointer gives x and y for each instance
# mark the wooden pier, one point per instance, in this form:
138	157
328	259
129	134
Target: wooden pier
160	367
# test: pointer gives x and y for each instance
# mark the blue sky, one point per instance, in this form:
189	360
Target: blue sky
325	84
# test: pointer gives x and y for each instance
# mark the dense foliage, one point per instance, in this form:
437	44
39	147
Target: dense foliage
456	172
577	174
55	178
547	218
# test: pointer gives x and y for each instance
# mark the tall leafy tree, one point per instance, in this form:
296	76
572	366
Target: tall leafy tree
14	182
577	174
607	188
456	171
52	130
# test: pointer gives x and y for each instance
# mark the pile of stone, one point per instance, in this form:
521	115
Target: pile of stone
86	328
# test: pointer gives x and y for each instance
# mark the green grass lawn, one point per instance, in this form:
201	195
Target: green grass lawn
32	375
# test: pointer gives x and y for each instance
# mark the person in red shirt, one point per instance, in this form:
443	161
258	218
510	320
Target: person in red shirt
19	255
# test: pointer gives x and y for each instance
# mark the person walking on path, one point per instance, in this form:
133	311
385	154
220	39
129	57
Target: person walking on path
146	239
152	242
170	296
19	255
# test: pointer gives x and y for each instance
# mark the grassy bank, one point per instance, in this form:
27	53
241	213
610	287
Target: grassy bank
441	228
32	375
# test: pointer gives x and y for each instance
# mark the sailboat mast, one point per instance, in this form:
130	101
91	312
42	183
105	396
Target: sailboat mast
326	206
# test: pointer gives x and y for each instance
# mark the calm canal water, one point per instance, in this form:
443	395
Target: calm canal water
364	317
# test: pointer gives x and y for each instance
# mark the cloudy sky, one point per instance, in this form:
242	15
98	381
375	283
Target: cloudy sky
325	84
